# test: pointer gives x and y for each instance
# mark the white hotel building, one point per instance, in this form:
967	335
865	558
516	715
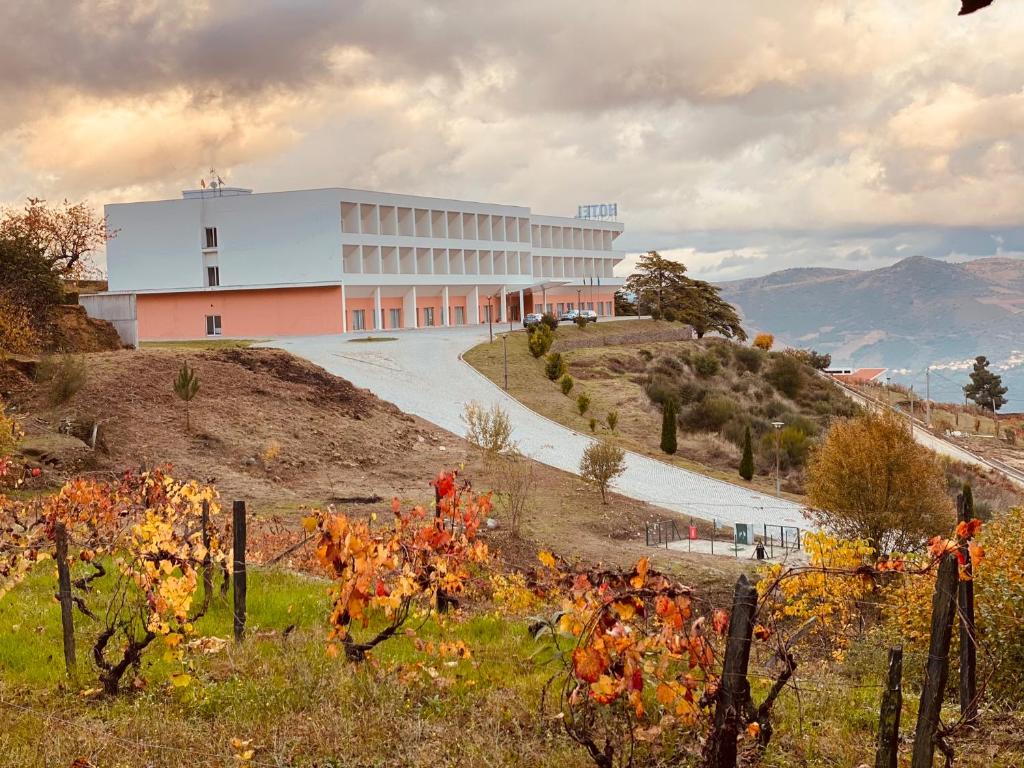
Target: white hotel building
225	261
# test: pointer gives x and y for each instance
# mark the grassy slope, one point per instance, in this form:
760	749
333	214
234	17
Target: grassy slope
302	708
639	427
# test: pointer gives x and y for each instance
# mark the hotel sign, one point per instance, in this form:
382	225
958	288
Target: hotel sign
598	211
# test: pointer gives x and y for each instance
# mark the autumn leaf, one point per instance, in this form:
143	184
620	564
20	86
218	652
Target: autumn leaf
761	632
720	621
638	580
588	664
604	690
753	730
547	559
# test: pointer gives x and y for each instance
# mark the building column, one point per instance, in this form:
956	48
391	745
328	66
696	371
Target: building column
522	305
378	312
503	310
473	306
409	308
445	319
344	311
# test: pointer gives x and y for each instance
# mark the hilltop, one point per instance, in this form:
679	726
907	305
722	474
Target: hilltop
908	315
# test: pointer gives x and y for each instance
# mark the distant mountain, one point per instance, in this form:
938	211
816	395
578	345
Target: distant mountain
915	313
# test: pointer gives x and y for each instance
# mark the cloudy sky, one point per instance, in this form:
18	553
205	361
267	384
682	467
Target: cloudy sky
743	136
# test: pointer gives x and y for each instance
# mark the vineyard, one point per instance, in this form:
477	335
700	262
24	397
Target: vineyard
401	638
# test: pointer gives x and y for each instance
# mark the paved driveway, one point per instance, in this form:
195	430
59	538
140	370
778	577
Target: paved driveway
422	373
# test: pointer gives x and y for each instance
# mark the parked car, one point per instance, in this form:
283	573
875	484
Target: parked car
533	318
569	316
591	315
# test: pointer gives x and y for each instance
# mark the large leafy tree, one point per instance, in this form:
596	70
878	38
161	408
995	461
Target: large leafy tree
705	310
985	388
870	480
25	277
64	235
661	285
658	283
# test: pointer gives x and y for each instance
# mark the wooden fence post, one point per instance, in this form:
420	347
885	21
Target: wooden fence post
207	563
889	714
238	578
733	697
965	610
936	671
64	596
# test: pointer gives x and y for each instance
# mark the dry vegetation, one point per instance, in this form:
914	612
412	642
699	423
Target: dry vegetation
282	433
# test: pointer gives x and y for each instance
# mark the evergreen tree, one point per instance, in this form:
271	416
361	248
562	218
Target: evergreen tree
658	283
186	386
986	388
668	427
705	310
747	462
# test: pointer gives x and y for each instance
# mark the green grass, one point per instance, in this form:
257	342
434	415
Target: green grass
300	707
200	344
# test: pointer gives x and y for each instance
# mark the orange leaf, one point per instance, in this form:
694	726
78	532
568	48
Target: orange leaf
589	664
720	621
753	730
547	559
641	573
762	632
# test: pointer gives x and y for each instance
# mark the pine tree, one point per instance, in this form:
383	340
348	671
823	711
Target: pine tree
186	386
986	388
747	462
668	427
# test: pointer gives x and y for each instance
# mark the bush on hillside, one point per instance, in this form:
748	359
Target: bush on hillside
749	358
582	402
793	445
601	463
786	375
489	429
555	367
705	365
566	383
550	321
711	414
540	340
764	341
64	375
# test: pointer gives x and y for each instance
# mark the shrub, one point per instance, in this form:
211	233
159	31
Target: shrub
10	434
749	358
645	354
593	424
764	341
711	414
515	489
582	402
555	366
566	384
669	316
601	463
17	335
612	420
870	480
64	375
186	385
705	365
747	462
550	321
786	375
668	427
660	390
489	429
581	321
540	340
721	350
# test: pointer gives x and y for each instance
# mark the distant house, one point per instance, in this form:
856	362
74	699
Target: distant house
856	375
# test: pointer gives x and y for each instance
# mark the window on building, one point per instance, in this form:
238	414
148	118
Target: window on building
396	318
590	306
460	315
358	319
213	276
548	309
210	238
428	316
213	325
561	307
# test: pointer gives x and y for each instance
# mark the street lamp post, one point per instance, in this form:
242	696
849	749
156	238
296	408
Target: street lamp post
579	301
504	345
490	320
778	449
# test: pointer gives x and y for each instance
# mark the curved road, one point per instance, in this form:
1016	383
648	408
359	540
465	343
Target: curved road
422	373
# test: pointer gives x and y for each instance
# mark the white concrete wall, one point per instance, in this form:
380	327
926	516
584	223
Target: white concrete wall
118	310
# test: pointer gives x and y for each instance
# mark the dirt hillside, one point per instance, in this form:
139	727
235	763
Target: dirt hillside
280	432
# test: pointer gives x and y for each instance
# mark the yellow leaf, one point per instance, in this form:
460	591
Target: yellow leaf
309	524
547	559
181	680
